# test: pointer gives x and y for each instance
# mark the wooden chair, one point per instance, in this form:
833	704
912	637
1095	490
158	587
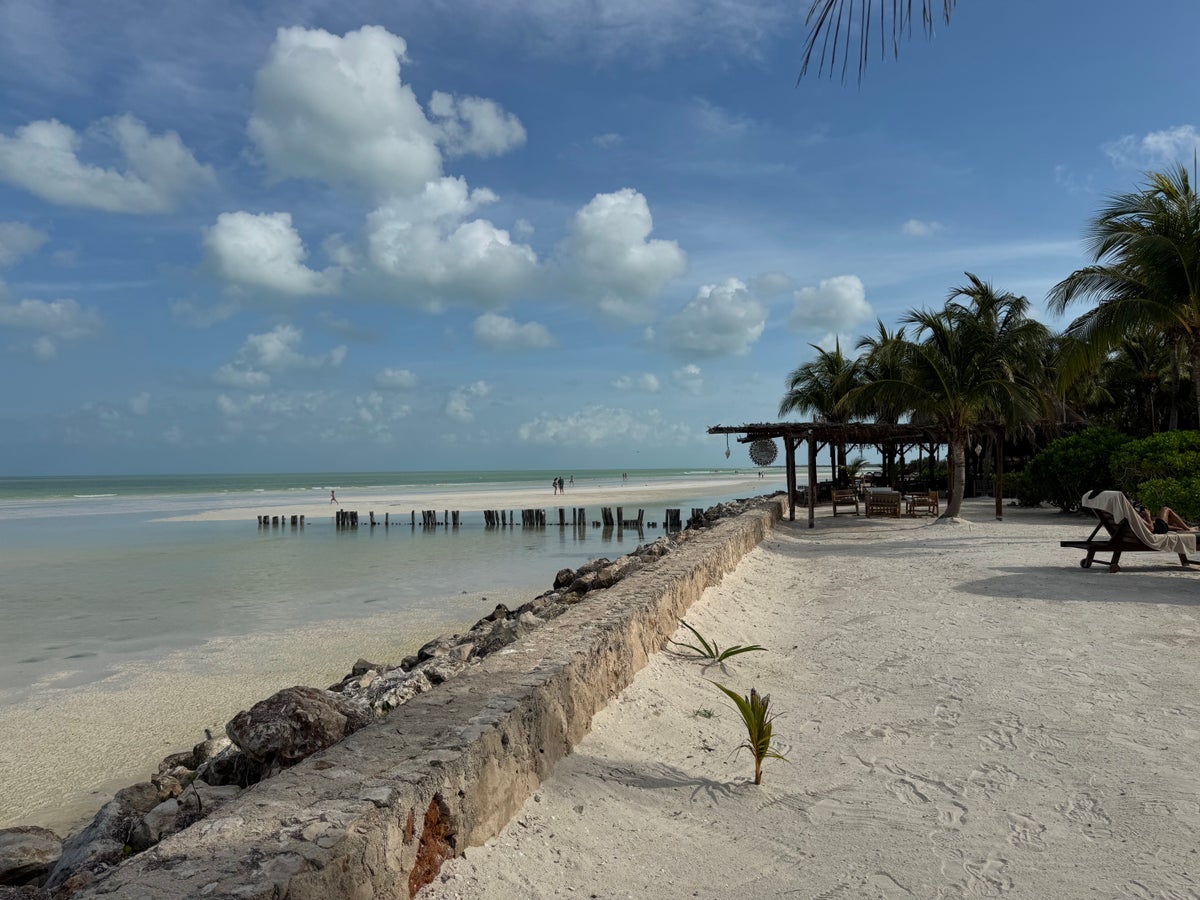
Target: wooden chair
844	498
1126	535
927	502
883	503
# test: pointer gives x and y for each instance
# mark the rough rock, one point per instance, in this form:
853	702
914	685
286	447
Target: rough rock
295	723
27	853
442	669
208	749
102	843
28	892
231	766
154	826
563	578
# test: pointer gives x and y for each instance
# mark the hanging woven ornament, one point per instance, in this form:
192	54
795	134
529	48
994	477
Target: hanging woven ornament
763	452
727	446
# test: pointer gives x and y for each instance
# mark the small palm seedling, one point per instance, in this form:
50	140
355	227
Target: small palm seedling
756	714
703	713
709	649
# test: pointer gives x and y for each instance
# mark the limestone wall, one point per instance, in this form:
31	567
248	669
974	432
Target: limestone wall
375	815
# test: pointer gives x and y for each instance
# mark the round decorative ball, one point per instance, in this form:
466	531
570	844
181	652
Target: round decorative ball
763	452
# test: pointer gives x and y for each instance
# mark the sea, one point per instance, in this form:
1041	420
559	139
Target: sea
92	577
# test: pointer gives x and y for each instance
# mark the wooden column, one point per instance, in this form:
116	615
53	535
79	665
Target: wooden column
812	481
789	450
998	481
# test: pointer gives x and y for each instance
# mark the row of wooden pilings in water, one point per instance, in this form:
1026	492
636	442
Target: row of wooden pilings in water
530	518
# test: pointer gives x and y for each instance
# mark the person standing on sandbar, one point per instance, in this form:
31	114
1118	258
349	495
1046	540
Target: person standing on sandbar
333	497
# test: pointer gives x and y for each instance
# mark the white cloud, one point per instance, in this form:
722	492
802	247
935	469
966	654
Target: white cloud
424	245
264	251
376	413
689	378
837	304
42	157
273	351
610	259
44	349
475	125
600	426
716	120
503	333
647	382
1156	148
721	319
608	140
55	320
458	404
920	229
18	240
139	404
199	316
395	379
333	109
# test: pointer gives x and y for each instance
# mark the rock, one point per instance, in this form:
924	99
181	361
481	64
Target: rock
232	767
169	784
563	578
185	758
409	663
29	892
594	565
399	691
362	667
295	723
583	584
102	843
201	800
27	853
208	749
439	646
154	826
442	669
504	634
610	575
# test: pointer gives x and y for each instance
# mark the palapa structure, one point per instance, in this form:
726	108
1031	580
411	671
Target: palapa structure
819	434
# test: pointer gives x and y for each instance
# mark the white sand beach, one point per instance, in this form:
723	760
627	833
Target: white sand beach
964	710
633	493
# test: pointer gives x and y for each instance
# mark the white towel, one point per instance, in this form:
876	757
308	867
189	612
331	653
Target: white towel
1118	506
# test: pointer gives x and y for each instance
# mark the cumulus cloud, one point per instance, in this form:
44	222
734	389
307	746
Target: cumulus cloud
43	158
264	251
647	382
427	245
475	125
458	404
612	260
335	109
376	413
689	378
18	240
608	140
716	120
395	379
503	333
837	304
273	351
920	229
54	321
139	404
1156	148
722	319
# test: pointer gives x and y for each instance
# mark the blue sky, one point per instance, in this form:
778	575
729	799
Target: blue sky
491	234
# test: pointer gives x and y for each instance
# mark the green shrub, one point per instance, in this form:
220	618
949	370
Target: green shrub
1170	455
1018	485
1071	466
1181	494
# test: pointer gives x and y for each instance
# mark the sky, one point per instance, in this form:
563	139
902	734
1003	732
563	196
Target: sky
494	234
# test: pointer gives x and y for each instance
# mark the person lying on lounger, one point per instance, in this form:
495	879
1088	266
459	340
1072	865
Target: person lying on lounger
1166	520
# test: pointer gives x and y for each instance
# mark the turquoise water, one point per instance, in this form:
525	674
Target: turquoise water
92	578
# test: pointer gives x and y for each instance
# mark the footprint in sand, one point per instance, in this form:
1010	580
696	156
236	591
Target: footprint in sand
906	792
991	779
945	715
1086	811
1026	832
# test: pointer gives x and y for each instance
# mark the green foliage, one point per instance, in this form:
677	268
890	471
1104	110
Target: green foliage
755	711
703	713
1171	455
1019	485
709	649
1181	494
1069	468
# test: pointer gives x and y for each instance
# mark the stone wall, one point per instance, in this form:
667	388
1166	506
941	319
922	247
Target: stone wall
375	815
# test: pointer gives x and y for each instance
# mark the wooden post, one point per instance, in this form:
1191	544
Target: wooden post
998	481
372	515
302	521
812	481
789	450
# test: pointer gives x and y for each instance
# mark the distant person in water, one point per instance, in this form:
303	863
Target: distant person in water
571	481
333	497
1166	521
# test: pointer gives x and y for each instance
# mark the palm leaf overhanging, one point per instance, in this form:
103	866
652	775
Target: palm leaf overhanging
838	25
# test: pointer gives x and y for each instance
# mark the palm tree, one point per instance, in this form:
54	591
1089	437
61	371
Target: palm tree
820	386
834	27
1146	275
972	362
882	357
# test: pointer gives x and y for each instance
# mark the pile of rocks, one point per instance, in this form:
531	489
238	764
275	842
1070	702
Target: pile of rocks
288	727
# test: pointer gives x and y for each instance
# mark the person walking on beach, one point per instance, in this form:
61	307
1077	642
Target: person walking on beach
333	497
554	484
562	487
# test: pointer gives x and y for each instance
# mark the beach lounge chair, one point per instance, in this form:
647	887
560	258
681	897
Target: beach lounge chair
883	502
1126	532
928	502
844	498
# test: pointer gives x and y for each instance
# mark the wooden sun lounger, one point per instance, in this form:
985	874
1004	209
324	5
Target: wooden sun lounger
1120	539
